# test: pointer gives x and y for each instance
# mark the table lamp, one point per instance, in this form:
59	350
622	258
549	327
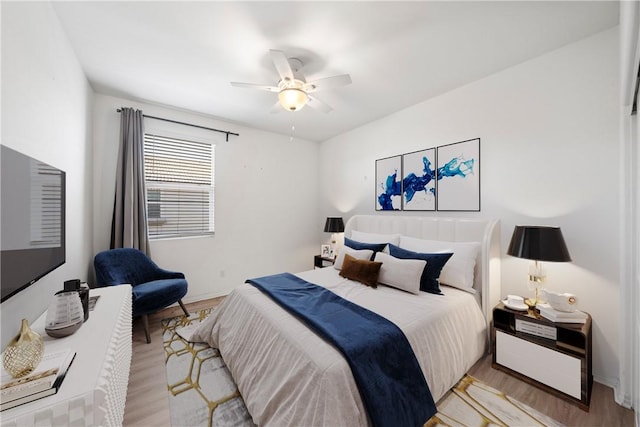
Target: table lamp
333	225
538	243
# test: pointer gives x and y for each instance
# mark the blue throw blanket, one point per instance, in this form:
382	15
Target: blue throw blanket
385	369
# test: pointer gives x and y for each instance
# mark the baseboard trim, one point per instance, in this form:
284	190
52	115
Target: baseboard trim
201	297
621	399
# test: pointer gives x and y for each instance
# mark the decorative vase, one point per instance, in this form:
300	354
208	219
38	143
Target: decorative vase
23	354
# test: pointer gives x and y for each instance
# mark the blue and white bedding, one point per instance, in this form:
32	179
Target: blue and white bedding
288	375
383	364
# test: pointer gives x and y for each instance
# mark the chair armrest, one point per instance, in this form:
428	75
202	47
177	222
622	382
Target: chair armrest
167	274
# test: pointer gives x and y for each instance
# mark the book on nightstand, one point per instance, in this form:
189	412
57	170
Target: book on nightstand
44	381
561	316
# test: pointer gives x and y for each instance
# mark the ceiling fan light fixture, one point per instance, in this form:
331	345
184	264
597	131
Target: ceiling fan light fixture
293	99
293	89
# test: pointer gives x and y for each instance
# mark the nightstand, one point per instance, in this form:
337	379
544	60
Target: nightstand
319	261
555	357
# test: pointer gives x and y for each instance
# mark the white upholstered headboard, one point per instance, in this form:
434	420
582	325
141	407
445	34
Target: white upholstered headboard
485	231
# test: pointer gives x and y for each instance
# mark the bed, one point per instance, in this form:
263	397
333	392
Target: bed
288	375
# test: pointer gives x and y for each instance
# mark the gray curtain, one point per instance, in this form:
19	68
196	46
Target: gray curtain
129	223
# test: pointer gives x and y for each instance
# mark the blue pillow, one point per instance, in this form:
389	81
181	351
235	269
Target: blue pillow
435	262
375	247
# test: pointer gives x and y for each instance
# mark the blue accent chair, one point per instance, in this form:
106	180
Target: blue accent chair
153	288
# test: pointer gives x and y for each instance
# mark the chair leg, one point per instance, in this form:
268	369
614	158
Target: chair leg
145	323
186	313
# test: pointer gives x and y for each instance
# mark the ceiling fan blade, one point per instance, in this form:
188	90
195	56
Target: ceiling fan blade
282	64
328	83
316	104
256	86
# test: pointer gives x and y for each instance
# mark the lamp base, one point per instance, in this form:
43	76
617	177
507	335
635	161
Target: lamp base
536	281
531	303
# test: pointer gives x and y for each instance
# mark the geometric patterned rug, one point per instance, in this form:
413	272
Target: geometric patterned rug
203	393
473	403
201	390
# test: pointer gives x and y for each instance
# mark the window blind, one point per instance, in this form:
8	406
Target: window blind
179	177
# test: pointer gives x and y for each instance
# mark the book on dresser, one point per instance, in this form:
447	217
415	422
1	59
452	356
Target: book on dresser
557	316
44	381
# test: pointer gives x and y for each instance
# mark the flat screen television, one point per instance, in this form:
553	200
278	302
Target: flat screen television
32	220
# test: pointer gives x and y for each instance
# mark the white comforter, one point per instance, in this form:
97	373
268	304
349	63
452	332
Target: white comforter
288	376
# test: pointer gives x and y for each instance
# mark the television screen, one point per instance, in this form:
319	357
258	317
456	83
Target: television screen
32	220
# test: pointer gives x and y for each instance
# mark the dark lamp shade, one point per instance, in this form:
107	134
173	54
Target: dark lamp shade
538	243
334	225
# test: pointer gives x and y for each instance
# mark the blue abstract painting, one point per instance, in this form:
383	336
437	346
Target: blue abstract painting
458	176
389	184
419	180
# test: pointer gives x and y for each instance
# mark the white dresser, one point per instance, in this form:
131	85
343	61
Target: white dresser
95	388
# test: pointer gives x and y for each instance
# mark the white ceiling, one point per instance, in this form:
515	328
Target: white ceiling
185	54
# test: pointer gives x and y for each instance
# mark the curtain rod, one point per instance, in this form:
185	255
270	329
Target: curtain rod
226	132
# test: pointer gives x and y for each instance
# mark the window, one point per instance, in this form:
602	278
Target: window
179	181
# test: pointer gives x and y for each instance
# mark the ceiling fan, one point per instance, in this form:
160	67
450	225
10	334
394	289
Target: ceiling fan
294	92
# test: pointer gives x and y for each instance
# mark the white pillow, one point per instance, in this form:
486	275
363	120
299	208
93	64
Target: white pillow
458	271
361	236
403	274
365	254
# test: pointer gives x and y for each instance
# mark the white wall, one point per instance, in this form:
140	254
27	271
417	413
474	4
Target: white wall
266	201
549	152
46	114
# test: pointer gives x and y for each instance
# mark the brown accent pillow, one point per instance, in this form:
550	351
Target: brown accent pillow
360	270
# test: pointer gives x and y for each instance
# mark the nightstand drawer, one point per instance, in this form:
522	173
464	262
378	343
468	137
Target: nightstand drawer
320	262
555	369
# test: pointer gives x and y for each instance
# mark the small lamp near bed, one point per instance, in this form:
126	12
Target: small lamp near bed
334	225
538	243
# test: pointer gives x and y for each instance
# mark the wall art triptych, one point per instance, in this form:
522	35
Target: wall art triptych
444	178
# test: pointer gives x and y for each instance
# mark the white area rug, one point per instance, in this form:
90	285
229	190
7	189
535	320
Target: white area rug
473	403
201	390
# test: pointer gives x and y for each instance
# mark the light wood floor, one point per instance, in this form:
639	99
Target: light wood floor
148	404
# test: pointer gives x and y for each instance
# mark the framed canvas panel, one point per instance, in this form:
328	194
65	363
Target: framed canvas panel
419	180
389	184
458	176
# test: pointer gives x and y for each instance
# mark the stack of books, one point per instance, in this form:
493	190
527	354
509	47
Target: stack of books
44	381
561	316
